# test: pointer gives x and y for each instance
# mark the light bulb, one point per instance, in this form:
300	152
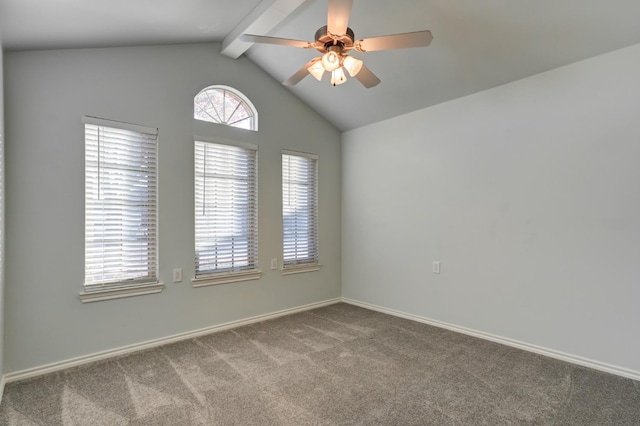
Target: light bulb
338	77
330	61
352	65
316	70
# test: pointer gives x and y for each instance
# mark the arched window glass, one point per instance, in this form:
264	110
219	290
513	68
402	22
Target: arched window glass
225	105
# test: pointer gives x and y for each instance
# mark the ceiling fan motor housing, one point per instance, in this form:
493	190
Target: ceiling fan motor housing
324	40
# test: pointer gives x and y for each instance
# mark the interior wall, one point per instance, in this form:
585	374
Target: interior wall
528	196
47	93
2	227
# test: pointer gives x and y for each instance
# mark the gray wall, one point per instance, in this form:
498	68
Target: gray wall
2	221
527	194
47	93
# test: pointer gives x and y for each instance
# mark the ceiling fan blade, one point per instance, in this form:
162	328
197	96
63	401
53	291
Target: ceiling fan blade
249	38
395	41
367	78
338	16
300	74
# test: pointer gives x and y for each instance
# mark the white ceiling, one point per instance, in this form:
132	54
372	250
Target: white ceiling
477	44
51	24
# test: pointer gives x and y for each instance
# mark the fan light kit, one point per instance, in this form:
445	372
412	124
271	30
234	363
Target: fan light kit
335	41
335	63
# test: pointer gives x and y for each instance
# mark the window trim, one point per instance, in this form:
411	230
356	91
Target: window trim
217	278
301	268
118	293
226	277
96	121
225	141
308	155
127	288
311	266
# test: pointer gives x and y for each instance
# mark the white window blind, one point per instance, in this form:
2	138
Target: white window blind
120	204
299	209
226	217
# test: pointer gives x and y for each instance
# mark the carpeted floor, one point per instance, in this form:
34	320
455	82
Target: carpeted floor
337	365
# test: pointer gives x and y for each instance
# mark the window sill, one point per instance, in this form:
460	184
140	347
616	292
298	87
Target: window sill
118	293
226	278
300	269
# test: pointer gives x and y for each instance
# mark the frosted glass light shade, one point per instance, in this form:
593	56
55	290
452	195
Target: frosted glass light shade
330	61
316	70
338	77
352	65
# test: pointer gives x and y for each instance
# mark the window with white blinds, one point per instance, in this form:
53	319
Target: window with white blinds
226	215
299	209
120	205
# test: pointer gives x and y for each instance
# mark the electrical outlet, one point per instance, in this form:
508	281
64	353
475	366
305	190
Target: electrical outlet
274	264
177	275
436	266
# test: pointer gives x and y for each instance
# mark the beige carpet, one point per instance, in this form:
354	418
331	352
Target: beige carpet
338	365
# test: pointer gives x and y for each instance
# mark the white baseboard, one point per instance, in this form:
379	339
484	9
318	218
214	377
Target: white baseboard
61	365
596	365
86	359
3	381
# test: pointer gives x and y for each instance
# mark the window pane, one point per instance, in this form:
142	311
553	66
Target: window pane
224	105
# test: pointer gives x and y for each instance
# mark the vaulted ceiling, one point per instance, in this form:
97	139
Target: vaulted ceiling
477	44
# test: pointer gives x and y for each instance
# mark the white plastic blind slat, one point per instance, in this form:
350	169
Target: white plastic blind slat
226	217
299	209
120	205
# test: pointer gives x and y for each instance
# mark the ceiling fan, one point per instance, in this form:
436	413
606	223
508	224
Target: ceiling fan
335	41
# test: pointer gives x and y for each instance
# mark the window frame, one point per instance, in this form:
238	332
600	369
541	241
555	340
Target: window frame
223	121
228	275
105	289
312	262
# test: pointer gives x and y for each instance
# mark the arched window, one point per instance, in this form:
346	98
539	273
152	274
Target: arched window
225	105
